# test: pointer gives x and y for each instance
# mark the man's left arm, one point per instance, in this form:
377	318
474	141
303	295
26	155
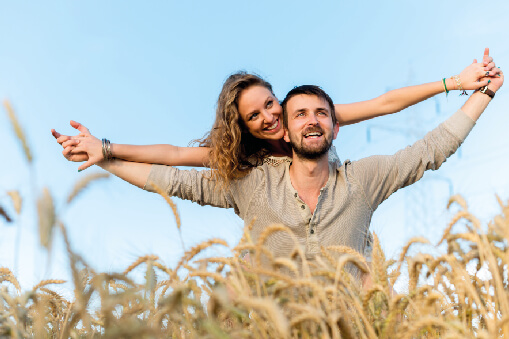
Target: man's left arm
380	176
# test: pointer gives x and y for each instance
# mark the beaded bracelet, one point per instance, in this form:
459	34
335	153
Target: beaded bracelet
458	83
445	87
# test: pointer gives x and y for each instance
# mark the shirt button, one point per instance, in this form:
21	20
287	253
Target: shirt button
312	231
303	207
296	195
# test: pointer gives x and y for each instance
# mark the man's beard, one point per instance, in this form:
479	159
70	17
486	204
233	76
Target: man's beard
304	151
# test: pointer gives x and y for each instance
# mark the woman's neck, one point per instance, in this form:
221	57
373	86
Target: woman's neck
279	148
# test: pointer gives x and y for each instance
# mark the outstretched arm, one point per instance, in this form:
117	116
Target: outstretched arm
399	99
380	176
162	154
91	151
134	173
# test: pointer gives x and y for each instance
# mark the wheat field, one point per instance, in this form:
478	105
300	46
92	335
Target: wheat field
461	293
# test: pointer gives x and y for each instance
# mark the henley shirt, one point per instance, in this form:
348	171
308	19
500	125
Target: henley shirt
346	203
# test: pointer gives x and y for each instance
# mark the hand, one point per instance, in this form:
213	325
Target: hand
477	75
497	81
84	143
61	139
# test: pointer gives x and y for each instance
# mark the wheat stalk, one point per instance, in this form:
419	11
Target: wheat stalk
83	183
18	131
47	282
173	207
47	218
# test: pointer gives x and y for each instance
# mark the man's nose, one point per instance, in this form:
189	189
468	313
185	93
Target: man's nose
312	120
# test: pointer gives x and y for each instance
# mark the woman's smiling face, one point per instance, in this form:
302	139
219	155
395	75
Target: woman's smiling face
261	112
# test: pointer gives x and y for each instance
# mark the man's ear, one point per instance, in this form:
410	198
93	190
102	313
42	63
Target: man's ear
336	130
285	136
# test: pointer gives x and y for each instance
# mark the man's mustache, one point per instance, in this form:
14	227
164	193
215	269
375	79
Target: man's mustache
312	130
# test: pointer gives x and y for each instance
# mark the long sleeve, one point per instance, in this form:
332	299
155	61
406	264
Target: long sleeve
380	176
189	185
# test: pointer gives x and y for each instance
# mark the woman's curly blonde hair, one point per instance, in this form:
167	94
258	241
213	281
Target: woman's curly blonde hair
234	151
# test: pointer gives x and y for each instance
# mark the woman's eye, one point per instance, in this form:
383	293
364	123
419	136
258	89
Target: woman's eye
270	103
254	115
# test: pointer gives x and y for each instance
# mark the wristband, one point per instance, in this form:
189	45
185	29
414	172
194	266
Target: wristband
487	91
445	87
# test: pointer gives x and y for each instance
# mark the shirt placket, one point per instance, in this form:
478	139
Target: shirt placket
312	246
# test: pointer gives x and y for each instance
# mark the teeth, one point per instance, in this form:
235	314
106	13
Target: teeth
274	125
314	134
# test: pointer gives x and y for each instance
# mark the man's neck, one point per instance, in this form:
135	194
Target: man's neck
309	177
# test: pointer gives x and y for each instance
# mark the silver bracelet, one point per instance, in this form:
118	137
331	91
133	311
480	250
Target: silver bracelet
106	148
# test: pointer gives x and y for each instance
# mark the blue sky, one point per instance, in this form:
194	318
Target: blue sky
150	72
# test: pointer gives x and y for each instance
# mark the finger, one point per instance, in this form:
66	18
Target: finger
495	72
71	142
80	127
483	82
86	165
475	61
67	152
55	134
490	66
486	54
63	138
78	149
486	61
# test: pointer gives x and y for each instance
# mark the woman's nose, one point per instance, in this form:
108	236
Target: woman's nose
267	117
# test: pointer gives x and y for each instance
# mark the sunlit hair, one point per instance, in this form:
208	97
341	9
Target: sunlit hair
234	151
308	90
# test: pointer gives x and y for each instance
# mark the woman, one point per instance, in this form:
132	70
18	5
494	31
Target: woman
248	125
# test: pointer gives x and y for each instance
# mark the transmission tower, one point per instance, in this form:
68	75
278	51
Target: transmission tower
426	197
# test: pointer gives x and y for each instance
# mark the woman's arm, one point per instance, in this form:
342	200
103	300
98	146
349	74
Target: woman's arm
162	154
399	99
91	151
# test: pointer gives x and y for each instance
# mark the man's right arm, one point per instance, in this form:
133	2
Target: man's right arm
133	172
193	185
185	184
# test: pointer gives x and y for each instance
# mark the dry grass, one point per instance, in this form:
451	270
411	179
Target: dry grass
18	130
82	184
461	293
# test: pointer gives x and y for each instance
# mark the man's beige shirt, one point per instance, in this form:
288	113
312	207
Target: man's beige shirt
346	203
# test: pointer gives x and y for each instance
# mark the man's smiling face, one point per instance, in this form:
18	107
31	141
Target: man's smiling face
310	129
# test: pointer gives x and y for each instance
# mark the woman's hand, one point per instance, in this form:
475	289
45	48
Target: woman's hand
82	147
477	75
78	157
